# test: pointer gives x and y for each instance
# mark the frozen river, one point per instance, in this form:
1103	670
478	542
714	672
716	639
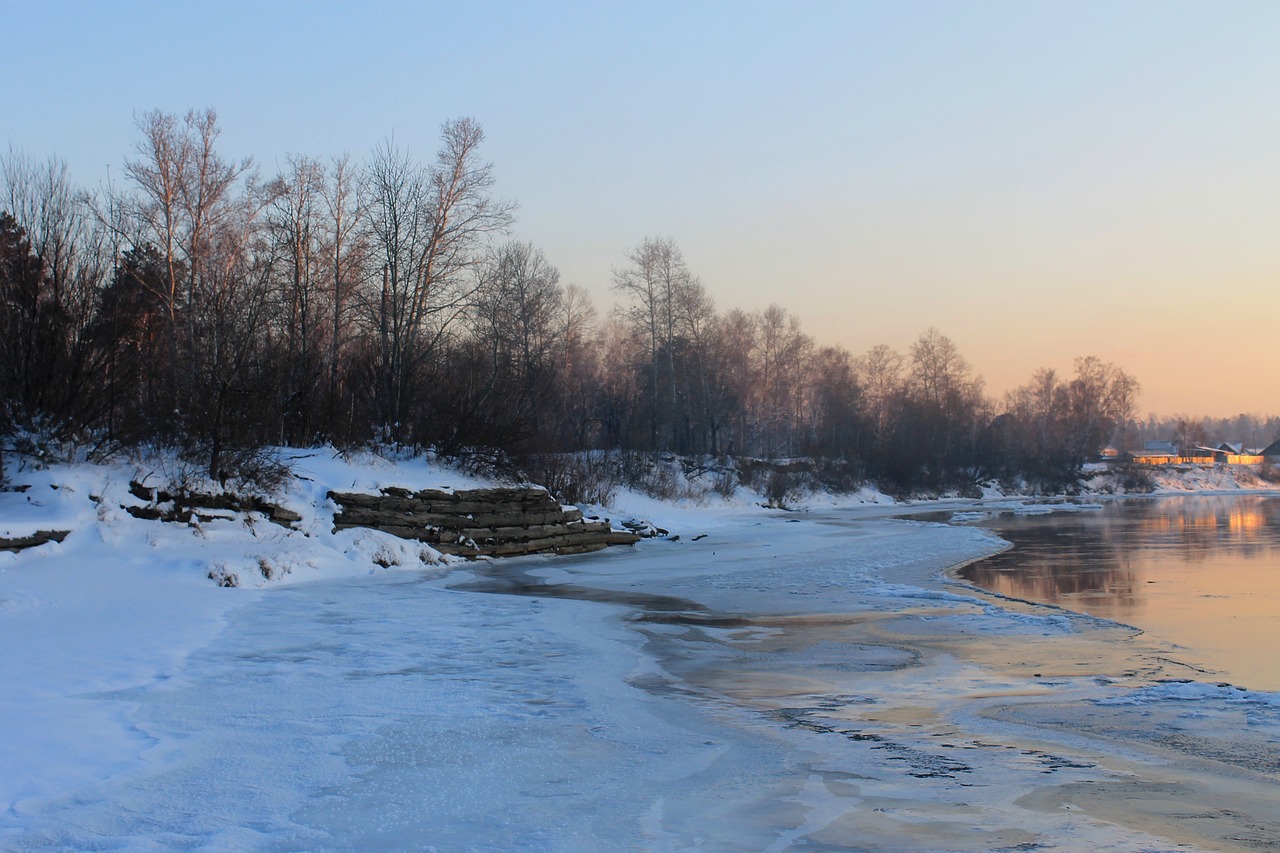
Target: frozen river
776	685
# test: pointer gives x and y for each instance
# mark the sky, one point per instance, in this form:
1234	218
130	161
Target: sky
1037	180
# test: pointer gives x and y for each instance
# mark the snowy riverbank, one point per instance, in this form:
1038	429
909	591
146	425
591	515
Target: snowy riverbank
770	680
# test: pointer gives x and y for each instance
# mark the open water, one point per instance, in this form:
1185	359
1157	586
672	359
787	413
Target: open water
1201	572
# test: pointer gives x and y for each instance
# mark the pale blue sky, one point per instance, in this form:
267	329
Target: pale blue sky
1038	180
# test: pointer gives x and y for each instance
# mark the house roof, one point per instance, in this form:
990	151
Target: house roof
1272	449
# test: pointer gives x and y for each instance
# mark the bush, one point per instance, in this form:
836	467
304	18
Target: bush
840	475
726	482
40	442
574	478
659	475
780	482
254	469
1268	472
481	461
1133	479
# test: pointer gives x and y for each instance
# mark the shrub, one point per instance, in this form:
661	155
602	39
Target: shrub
726	482
1268	472
574	478
840	475
781	482
1133	479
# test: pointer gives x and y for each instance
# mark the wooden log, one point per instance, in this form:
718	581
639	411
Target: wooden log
148	513
475	507
375	517
516	534
432	535
455	549
433	495
593	527
282	515
521	519
21	543
496	495
611	537
350	499
146	493
580	549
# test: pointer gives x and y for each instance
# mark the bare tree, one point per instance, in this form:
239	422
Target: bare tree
1100	399
159	171
736	339
229	360
879	373
833	398
1055	426
203	212
515	319
427	225
74	253
618	395
781	359
947	409
579	368
347	253
187	194
660	291
294	219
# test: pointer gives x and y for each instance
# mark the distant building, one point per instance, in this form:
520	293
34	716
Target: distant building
1227	453
1271	452
1165	453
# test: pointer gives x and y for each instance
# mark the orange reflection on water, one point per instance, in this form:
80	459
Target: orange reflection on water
1247	521
1200	572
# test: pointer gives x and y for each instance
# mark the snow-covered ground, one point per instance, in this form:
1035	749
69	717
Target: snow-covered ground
768	681
1211	478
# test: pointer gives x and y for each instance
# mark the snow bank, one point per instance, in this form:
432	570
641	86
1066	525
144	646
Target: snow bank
122	601
1217	478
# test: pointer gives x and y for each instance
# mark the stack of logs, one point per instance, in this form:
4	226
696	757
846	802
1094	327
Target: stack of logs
184	506
479	522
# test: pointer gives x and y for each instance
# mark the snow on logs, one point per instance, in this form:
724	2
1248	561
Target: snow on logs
501	522
184	506
21	543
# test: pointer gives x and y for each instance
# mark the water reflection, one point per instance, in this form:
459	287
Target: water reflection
1202	572
1060	557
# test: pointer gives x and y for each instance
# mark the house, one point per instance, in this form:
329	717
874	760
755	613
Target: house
1271	452
1153	453
1233	453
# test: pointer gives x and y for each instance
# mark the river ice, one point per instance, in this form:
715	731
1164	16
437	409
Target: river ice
385	713
780	684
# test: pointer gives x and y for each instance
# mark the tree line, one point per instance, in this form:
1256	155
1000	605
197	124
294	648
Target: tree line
208	308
